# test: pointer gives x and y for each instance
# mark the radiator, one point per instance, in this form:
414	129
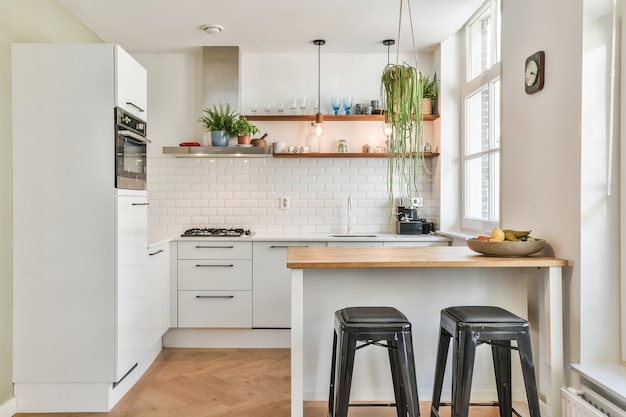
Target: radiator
587	403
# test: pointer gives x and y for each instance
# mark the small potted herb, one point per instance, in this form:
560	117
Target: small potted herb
244	129
219	121
430	91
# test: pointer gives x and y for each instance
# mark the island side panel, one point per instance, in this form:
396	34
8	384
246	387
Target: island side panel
420	293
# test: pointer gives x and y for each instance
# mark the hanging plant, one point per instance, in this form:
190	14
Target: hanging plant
402	93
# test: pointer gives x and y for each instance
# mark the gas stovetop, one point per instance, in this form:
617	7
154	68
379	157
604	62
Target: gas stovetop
216	232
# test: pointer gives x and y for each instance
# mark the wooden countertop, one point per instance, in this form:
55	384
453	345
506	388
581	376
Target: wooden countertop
407	257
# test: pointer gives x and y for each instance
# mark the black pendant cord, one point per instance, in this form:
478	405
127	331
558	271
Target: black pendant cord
319	43
388	43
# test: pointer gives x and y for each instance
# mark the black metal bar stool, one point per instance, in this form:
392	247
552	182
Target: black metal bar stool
470	326
373	326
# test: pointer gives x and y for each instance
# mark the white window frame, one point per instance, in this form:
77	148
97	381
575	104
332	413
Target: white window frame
467	89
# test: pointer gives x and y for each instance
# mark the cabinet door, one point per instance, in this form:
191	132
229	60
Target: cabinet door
159	279
133	290
131	85
271	284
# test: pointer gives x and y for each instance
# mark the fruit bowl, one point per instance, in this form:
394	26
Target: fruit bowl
506	248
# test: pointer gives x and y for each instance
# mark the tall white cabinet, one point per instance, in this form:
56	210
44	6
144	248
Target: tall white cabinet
77	287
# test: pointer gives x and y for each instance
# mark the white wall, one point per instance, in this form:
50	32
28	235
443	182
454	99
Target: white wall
554	157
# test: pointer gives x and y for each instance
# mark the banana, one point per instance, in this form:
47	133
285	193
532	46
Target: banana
510	236
516	234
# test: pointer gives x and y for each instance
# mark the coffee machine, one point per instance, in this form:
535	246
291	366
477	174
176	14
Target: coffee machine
408	221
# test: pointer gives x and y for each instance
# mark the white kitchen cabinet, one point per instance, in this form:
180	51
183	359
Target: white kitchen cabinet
271	293
159	284
72	343
214	284
136	295
131	91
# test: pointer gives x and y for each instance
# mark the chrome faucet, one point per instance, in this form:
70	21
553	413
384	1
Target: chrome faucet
349	214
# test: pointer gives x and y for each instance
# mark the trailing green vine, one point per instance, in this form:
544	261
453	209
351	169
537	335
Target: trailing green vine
402	92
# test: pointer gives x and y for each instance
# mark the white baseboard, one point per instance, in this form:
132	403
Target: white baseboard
9	408
227	338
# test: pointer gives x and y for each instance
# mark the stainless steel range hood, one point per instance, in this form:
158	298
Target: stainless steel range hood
220	76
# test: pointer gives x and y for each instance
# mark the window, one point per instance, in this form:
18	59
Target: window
481	120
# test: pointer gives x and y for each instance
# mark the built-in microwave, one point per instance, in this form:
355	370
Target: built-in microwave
130	151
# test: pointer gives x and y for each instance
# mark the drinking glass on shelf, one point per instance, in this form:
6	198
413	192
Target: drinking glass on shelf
267	108
303	104
336	103
347	104
316	105
254	108
293	105
280	108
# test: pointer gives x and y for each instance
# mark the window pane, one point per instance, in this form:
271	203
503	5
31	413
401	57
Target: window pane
477	188
477	121
482	187
480	45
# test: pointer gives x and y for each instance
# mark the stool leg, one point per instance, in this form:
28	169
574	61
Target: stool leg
440	368
396	378
463	370
344	367
409	377
528	371
331	396
501	352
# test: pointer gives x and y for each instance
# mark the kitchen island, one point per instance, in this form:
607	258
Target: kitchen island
419	281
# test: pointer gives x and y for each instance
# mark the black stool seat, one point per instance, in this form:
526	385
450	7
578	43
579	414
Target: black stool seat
372	326
470	326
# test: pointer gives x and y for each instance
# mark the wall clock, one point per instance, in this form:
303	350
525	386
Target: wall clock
534	72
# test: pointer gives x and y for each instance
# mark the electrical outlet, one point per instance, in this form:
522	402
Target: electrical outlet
284	203
417	202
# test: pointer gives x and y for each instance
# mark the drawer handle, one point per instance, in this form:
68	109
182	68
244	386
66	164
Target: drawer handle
215	296
156	253
213	247
139	204
209	266
285	246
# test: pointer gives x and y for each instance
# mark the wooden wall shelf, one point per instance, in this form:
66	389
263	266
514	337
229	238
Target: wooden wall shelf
327	117
341	155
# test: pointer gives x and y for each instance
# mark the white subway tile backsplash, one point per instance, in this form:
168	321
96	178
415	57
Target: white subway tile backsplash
240	192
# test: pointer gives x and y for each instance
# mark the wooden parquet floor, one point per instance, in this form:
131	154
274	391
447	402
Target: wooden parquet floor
225	382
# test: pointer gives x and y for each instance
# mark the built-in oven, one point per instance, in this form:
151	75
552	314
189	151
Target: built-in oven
130	151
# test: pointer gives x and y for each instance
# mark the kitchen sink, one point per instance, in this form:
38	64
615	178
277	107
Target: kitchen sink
352	235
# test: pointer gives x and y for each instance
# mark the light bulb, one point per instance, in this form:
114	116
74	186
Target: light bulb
318	129
318	126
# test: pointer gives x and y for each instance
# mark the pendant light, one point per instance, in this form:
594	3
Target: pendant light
387	128
318	127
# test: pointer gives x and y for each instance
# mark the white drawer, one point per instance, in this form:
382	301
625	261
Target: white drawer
223	274
215	309
214	249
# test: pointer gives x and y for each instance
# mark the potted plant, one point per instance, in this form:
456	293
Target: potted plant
219	121
430	91
401	90
244	129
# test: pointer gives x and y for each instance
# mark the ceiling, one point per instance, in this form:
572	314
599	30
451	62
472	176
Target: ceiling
272	26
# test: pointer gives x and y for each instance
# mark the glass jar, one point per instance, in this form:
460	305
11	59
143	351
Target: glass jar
342	146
